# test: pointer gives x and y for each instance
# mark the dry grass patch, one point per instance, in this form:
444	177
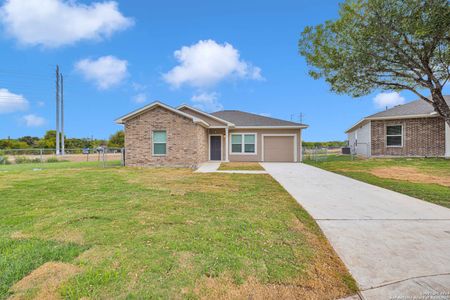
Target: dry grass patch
238	166
43	282
179	181
410	174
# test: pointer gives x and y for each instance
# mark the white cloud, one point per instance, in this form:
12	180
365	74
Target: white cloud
10	102
207	102
207	63
54	23
383	100
33	120
106	71
140	98
41	103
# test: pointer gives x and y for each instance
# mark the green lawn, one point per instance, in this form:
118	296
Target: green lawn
424	178
241	166
158	233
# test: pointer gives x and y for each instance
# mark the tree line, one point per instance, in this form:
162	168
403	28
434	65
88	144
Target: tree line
48	141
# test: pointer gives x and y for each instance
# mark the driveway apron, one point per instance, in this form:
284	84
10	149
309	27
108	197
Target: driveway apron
393	245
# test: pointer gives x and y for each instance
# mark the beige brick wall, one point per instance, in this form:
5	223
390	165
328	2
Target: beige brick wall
187	142
421	137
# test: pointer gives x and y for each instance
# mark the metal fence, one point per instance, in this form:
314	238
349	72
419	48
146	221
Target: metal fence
323	154
104	156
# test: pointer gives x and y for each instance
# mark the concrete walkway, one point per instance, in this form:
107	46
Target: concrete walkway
394	245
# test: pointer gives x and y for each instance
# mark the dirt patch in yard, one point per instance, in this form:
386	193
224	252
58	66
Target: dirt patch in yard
410	174
43	282
244	166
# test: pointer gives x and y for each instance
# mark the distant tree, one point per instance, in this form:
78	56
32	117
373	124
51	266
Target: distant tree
384	44
117	140
30	140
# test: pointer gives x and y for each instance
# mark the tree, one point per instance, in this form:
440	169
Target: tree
384	44
30	140
117	140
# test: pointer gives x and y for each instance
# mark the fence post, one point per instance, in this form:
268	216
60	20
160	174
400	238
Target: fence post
40	155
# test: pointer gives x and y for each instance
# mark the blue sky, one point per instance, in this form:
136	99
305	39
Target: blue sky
118	56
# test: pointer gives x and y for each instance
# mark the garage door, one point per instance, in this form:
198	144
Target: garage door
279	148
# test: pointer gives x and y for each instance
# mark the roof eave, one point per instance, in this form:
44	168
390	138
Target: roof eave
206	114
273	127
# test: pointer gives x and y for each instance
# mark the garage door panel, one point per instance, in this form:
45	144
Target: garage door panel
279	148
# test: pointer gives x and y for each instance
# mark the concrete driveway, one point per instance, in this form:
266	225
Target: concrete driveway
394	245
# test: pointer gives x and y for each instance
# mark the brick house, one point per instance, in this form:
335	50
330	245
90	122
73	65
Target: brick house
413	129
161	135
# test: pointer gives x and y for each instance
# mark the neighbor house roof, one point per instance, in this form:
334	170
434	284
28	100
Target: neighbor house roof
415	109
244	119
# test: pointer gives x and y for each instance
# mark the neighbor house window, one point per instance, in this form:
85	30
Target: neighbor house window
159	142
243	143
394	136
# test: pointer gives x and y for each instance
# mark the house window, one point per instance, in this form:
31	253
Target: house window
243	143
159	142
394	136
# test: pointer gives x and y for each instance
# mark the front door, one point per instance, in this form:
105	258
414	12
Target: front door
215	147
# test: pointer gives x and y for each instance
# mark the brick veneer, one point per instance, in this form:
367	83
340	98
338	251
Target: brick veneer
187	142
421	137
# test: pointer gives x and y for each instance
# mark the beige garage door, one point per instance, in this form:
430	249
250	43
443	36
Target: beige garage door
279	148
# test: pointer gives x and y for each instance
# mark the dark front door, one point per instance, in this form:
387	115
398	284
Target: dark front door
215	147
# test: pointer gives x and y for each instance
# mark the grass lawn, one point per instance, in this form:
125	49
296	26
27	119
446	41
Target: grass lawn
247	166
424	178
75	230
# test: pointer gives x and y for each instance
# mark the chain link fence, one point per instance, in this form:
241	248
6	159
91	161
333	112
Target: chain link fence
324	154
104	156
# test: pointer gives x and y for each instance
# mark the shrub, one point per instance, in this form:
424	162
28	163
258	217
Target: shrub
4	160
26	160
52	160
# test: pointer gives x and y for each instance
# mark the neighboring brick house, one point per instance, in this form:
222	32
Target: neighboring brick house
161	135
413	129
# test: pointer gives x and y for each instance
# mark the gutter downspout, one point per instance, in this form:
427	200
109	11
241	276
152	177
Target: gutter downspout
447	141
226	144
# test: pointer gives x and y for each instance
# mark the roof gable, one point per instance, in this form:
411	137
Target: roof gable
204	115
152	105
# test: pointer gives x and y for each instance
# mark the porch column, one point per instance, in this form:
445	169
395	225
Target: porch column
226	143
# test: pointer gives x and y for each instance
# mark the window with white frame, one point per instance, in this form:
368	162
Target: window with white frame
159	142
394	135
243	143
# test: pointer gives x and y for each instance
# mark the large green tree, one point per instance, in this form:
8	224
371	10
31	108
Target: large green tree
384	45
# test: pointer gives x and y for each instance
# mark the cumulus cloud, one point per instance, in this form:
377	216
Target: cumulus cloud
383	100
106	71
207	63
10	102
207	101
140	98
33	120
54	23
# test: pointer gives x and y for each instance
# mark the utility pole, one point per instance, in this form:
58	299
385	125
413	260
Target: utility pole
57	110
62	116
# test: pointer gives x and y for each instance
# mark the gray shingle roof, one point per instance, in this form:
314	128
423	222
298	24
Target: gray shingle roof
418	107
240	118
